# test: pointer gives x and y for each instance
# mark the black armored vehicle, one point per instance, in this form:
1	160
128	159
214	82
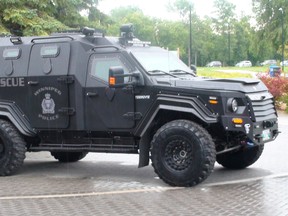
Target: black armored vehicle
78	92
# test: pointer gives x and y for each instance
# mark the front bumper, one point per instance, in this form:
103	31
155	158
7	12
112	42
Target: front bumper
257	132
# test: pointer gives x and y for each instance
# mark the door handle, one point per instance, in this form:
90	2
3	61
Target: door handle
33	82
91	94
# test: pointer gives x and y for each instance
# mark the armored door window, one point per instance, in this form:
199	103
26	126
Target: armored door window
100	66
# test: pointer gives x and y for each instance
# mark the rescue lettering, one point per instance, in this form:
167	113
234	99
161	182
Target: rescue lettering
12	82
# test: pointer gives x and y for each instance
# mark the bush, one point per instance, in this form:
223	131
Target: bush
278	87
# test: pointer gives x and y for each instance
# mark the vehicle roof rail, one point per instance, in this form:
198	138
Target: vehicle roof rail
104	47
86	31
52	38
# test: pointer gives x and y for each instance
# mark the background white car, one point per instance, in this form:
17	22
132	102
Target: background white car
268	62
285	63
244	64
214	64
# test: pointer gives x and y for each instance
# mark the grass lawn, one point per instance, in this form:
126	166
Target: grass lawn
232	72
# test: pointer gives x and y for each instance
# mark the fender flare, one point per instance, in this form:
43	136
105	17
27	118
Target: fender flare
176	103
11	111
172	103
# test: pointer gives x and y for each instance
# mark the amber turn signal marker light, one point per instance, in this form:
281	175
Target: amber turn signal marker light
213	101
237	120
112	80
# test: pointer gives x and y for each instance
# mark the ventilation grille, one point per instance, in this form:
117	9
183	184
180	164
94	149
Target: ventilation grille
262	106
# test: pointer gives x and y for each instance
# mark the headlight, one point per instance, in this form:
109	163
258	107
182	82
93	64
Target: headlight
233	105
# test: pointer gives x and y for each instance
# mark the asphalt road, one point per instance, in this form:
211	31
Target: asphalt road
111	184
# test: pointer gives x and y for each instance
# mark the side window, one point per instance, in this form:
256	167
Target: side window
49	59
11	53
100	66
7	65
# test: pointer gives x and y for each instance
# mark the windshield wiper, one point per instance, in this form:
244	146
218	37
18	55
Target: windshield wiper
178	70
155	71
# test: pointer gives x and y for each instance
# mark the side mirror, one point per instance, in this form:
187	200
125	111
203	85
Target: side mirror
116	78
194	68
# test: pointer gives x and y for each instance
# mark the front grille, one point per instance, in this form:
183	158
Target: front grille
262	105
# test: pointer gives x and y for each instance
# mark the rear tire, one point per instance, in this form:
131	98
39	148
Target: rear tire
182	153
12	148
68	157
240	159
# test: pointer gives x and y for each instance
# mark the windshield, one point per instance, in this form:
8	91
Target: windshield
157	59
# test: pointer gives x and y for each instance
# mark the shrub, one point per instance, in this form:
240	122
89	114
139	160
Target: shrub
278	87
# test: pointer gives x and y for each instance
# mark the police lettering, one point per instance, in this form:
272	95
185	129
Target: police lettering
12	82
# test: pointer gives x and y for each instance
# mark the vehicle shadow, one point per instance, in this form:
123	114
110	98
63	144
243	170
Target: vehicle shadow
108	167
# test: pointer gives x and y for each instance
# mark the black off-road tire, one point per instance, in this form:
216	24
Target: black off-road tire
68	157
182	153
12	149
240	159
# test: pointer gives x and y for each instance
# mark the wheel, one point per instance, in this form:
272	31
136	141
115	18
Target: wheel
182	153
67	157
240	159
12	148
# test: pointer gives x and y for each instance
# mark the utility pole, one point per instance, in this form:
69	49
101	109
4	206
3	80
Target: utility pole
190	36
228	50
283	44
229	45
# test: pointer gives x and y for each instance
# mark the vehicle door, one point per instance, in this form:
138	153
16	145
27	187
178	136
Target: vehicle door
105	107
48	85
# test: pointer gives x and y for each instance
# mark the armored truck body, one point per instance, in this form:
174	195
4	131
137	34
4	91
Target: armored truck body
74	93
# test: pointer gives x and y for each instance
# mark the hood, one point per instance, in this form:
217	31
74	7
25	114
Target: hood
244	85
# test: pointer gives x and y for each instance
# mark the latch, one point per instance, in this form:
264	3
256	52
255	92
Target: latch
66	79
67	111
133	116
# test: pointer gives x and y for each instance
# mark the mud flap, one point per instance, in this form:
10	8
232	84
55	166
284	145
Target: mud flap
144	148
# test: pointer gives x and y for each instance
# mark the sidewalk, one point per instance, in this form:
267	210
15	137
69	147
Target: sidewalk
267	197
282	117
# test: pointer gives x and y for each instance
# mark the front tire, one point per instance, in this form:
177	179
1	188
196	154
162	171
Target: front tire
182	153
12	149
68	157
240	159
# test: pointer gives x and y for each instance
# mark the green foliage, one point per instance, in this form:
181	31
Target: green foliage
243	36
144	26
269	19
168	34
225	16
224	37
178	38
3	30
217	74
25	21
41	17
183	8
278	86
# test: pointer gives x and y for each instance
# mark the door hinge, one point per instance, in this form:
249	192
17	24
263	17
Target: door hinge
133	116
67	111
129	89
66	79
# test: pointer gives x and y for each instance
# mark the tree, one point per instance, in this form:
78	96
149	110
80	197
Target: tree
269	18
243	39
41	17
28	17
144	26
183	7
224	26
3	30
